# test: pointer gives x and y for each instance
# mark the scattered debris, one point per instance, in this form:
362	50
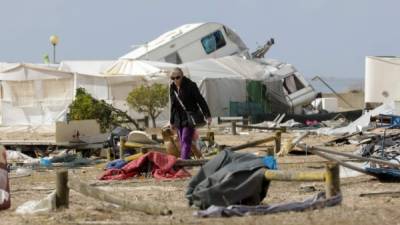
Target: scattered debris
316	202
39	206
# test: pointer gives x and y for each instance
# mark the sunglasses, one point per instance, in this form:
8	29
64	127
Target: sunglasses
176	78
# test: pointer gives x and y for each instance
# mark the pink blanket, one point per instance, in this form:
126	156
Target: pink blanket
161	164
4	183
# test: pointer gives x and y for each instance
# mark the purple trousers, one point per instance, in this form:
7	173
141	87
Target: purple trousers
185	135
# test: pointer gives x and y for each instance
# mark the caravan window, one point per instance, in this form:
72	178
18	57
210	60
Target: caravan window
173	58
213	41
292	84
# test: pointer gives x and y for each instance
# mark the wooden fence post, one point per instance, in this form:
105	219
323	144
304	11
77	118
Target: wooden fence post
234	128
332	180
122	141
62	190
245	122
278	136
210	137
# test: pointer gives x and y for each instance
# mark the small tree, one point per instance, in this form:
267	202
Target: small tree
149	99
86	107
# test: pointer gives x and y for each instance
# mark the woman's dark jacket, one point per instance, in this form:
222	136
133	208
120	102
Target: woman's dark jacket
190	95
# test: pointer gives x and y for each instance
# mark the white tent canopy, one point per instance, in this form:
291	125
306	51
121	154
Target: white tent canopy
34	94
40	94
85	66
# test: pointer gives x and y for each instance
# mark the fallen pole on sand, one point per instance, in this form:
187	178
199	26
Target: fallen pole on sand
63	187
252	143
314	149
330	177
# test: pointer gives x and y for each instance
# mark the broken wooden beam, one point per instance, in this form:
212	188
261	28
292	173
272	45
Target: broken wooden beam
283	129
142	206
252	143
64	184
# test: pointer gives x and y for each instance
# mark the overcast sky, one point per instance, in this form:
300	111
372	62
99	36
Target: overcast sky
320	37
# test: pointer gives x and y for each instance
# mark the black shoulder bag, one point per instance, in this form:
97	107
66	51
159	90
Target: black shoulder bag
195	118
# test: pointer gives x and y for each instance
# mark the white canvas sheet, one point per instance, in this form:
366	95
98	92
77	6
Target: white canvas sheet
219	92
85	67
33	102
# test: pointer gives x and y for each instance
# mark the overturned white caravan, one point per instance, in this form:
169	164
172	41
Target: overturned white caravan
191	42
288	89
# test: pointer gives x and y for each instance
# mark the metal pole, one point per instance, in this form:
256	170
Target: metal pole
379	161
54	54
334	92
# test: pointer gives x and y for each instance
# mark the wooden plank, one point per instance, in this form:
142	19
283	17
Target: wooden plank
148	207
252	143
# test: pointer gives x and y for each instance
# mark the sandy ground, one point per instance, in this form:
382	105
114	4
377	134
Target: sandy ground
85	210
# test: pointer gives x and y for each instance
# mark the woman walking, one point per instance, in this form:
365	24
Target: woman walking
185	96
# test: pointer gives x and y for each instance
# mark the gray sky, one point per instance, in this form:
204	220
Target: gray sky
320	37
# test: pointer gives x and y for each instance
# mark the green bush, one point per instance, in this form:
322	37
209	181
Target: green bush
149	99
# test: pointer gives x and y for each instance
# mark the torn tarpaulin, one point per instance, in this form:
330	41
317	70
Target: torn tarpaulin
315	202
160	164
229	178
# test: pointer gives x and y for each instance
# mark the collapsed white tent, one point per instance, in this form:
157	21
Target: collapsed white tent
40	95
220	80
